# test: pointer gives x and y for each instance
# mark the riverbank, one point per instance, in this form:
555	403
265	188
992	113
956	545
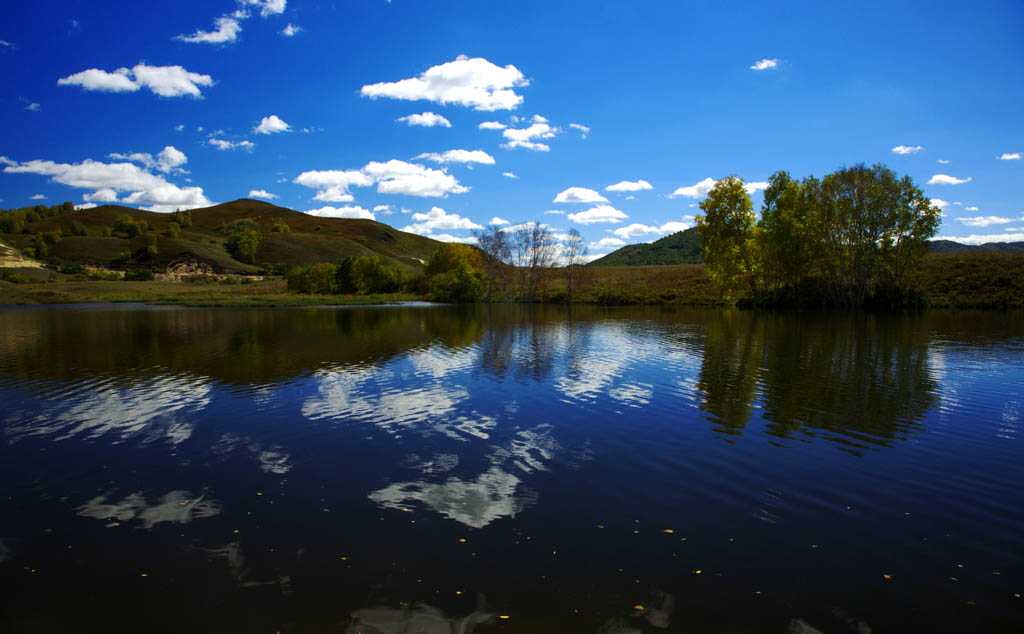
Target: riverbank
961	281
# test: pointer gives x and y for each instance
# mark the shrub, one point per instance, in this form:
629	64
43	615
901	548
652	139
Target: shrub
14	278
151	249
461	285
78	229
281	227
126	225
318	278
373	274
173	230
138	275
242	245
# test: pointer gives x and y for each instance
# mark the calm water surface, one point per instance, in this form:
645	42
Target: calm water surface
434	469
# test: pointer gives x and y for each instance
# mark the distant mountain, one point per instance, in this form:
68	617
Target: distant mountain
679	248
309	239
948	246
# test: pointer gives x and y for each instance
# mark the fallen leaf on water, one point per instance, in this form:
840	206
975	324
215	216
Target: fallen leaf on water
638	607
503	616
696	572
462	540
668	530
887	576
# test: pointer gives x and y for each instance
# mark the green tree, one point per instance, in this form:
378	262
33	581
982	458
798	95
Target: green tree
78	229
281	227
173	229
784	246
373	274
126	225
315	279
728	236
344	283
243	244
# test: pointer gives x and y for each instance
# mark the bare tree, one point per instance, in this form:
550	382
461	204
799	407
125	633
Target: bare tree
497	252
575	250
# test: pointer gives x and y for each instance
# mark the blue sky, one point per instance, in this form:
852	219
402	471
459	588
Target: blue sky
324	106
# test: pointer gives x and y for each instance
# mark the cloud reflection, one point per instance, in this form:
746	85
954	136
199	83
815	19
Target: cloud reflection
417	619
179	507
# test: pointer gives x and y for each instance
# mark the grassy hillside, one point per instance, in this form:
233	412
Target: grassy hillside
311	239
679	248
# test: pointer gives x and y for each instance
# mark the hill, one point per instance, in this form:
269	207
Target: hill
309	239
948	246
682	247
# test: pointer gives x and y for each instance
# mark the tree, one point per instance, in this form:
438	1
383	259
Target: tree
784	246
456	272
242	245
575	250
126	225
727	231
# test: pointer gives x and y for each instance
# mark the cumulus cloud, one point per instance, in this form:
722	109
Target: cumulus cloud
765	64
262	193
458	156
600	213
34	107
1014	156
438	218
271	124
106	180
525	137
985	221
970	209
584	130
509	175
290	30
492	125
938	202
943	161
85	206
555	211
393	177
352	212
498	221
945	179
629	186
38	197
6	161
907	149
579	195
756	186
475	83
426	120
636	229
227	30
222	144
606	243
167	160
447	237
266	7
697	190
166	81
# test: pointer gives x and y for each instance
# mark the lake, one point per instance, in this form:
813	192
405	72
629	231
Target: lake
423	469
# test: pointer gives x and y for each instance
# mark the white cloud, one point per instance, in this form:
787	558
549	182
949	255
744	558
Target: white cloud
1015	156
600	213
222	144
179	127
630	197
971	209
498	221
382	208
34	107
267	7
524	137
167	160
985	221
509	175
757	186
606	243
492	125
38	197
438	218
943	161
634	230
332	185
555	211
579	195
697	190
355	212
290	30
938	202
629	186
166	81
399	177
426	120
262	193
447	237
227	30
6	161
85	206
907	149
765	64
584	130
271	124
472	82
458	156
984	239
145	188
6	44
944	179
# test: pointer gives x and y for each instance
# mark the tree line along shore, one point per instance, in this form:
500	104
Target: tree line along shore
859	237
